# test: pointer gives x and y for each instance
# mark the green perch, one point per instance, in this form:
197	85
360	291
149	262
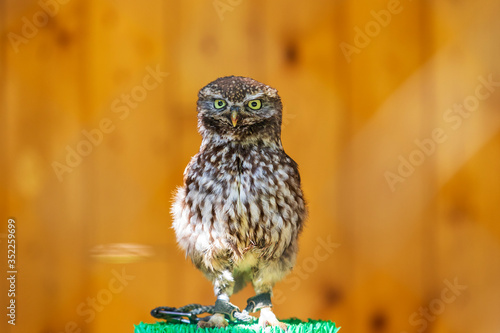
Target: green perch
294	326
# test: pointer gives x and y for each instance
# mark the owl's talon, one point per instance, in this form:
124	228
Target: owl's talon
217	320
267	317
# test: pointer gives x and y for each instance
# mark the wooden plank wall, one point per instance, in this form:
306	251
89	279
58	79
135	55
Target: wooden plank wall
403	185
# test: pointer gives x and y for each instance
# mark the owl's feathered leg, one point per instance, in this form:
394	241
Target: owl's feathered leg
223	287
263	283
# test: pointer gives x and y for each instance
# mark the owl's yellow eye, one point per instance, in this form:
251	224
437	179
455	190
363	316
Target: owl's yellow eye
219	103
255	104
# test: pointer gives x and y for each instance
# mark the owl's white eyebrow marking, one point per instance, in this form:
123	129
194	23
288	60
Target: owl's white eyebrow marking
254	96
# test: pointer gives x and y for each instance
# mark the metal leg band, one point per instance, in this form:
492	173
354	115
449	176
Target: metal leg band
258	302
226	308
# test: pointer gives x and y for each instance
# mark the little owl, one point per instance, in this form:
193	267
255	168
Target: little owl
241	209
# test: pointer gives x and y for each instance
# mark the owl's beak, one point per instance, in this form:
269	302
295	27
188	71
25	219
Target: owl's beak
234	118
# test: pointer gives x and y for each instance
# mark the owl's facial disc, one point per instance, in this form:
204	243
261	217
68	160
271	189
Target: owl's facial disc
237	107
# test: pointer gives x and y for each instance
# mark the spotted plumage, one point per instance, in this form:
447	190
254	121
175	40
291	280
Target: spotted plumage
241	208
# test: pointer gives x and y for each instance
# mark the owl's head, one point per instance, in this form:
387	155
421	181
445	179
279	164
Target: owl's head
239	108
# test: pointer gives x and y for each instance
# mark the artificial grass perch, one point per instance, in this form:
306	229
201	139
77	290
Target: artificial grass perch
294	326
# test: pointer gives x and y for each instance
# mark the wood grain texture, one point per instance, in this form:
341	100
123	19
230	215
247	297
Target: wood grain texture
95	247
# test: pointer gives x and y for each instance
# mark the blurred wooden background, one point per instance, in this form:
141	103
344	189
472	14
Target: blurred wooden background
350	118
